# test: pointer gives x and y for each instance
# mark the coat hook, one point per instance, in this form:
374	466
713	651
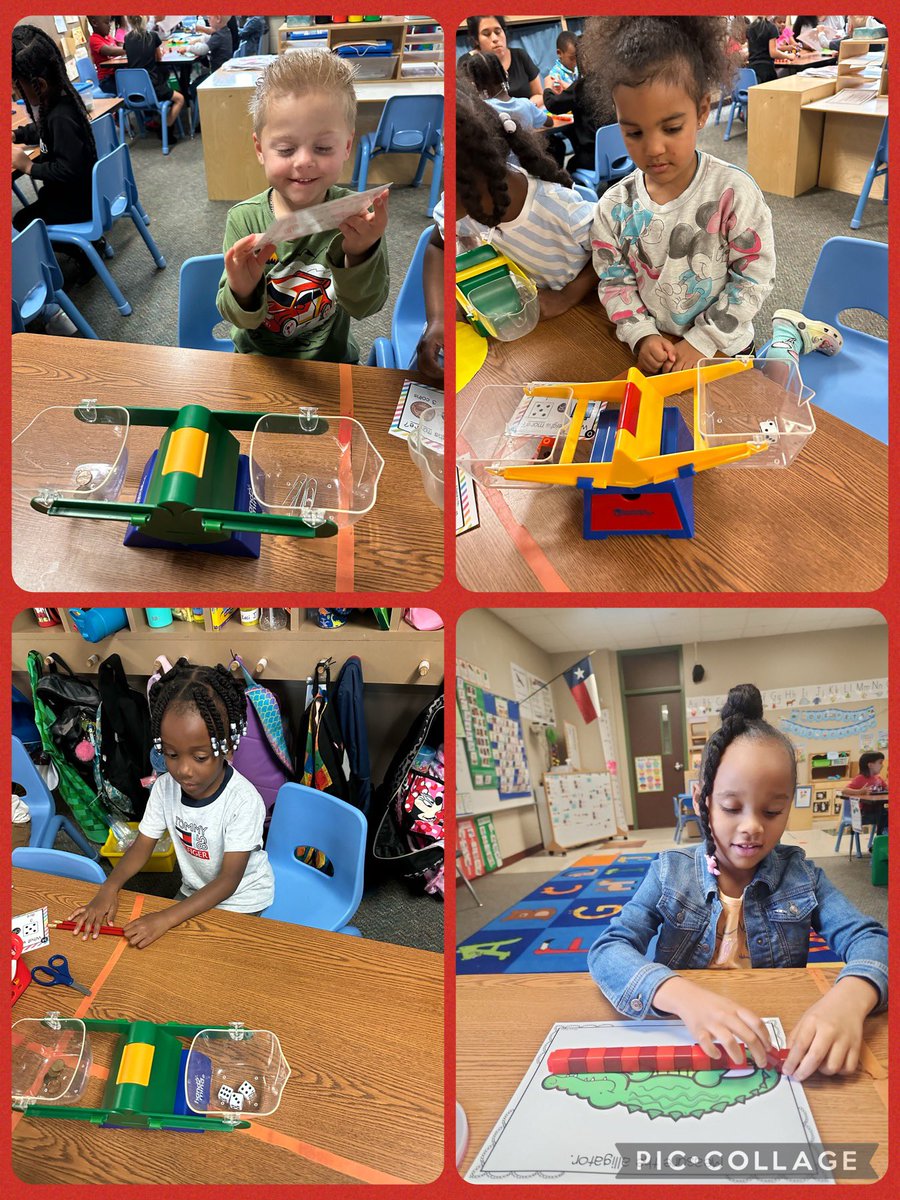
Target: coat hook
261	666
424	667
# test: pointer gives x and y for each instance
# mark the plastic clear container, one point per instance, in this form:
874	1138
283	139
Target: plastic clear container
73	452
229	1059
377	67
426	449
314	465
519	427
768	403
51	1059
508	308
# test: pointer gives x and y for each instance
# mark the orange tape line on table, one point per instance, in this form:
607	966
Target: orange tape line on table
324	1158
538	563
117	951
346	545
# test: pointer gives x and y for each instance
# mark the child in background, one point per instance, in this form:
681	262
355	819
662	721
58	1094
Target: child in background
144	50
103	45
528	211
869	783
683	246
120	31
488	77
430	350
740	899
763	51
213	815
564	71
296	299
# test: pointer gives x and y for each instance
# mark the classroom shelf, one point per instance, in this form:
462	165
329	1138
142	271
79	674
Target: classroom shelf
402	32
398	655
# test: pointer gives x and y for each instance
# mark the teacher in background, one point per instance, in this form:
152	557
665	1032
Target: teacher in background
488	34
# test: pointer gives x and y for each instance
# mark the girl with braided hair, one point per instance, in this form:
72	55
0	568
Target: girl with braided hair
59	125
523	205
741	899
488	77
213	815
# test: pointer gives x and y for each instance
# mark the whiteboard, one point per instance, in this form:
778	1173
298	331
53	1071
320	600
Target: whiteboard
580	807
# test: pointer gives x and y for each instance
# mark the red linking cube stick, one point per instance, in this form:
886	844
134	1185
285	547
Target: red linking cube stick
629	1059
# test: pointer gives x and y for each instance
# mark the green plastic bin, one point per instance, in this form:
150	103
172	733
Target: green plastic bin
880	861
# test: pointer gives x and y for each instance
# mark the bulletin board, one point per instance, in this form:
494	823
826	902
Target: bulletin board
508	747
580	809
471	701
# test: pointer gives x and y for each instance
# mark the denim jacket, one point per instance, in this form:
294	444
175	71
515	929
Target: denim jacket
679	900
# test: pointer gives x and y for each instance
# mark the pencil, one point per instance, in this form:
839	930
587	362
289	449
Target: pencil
628	1059
113	929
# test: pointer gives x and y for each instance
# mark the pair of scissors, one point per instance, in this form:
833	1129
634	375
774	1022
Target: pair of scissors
57	974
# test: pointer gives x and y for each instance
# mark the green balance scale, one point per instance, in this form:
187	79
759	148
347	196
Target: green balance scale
306	474
155	1080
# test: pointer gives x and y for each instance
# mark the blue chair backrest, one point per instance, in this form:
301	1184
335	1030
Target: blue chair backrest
585	192
114	191
58	862
849	273
135	88
881	154
746	78
106	136
409	316
304	816
410	123
36	794
35	271
87	71
609	151
197	312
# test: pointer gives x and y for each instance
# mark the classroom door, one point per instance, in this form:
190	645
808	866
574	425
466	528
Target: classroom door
654	720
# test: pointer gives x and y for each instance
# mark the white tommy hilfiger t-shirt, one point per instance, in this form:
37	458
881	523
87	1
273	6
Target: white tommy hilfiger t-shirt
203	831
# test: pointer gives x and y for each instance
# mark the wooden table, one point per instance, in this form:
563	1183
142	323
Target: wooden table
100	109
399	544
781	530
501	1022
360	1024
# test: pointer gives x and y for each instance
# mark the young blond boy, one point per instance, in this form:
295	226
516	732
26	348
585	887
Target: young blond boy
295	299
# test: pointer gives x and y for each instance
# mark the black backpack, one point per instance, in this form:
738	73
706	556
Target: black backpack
321	759
73	701
123	743
396	849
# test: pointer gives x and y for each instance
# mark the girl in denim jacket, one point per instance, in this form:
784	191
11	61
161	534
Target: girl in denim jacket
742	900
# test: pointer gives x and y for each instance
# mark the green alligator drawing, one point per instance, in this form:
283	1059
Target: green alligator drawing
673	1094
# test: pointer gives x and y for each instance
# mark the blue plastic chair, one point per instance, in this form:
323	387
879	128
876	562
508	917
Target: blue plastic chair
746	79
37	280
197	312
304	895
114	196
853	385
136	91
847	823
408	321
87	73
106	139
46	822
611	161
683	804
585	192
58	862
878	168
408	125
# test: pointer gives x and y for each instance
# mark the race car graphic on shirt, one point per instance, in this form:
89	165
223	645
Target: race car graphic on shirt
299	300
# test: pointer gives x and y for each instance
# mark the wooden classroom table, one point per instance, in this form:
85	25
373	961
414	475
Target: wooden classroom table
784	138
360	1024
398	545
781	530
502	1020
232	171
849	141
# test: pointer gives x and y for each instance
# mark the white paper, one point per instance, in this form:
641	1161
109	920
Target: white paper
319	217
548	1136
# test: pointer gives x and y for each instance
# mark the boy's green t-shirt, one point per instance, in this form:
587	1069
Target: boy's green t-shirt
307	296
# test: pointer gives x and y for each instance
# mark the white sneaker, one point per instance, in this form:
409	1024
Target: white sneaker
59	325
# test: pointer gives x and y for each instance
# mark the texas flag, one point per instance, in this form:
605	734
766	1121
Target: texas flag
580	679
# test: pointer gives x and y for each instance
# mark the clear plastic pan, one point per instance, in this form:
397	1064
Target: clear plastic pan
51	1059
769	403
518	427
426	449
314	465
245	1068
508	308
66	452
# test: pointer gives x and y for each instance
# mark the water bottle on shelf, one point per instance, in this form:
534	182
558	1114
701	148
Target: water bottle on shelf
272	619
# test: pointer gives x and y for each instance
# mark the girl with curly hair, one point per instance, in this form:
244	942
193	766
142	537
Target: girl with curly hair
683	247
